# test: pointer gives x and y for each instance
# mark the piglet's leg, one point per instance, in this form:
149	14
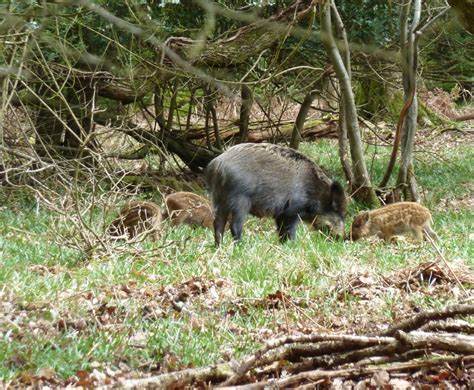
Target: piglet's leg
427	231
418	231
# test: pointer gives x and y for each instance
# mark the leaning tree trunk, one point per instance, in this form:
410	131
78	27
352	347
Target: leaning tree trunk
406	126
343	146
409	52
342	136
245	108
363	189
300	119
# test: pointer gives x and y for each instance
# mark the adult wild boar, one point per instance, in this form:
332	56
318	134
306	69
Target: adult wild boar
266	179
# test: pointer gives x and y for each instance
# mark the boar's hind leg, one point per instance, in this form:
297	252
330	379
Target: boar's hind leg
286	226
221	214
240	209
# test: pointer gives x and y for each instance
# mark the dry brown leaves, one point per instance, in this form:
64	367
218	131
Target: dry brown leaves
449	377
108	306
432	274
433	277
440	102
465	202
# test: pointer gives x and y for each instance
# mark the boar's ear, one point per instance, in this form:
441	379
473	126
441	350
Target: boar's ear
338	197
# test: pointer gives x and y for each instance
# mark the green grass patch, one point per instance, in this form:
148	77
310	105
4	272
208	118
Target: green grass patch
180	302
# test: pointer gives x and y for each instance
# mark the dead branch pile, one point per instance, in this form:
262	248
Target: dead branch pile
404	352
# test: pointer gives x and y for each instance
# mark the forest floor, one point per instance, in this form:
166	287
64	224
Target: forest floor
75	316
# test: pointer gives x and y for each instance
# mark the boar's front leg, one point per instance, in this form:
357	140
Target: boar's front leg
286	225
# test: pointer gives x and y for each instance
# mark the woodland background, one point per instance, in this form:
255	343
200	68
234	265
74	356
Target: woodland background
103	102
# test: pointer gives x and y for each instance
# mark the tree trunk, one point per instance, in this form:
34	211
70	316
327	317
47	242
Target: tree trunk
159	108
409	49
190	110
343	146
206	127
245	109
248	41
194	156
262	131
342	136
209	101
363	189
215	127
172	109
300	119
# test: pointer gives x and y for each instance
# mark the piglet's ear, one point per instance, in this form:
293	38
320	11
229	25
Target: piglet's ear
365	216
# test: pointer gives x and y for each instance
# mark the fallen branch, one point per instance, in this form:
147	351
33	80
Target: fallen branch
179	378
342	340
462	118
315	375
302	357
458	326
445	342
427	316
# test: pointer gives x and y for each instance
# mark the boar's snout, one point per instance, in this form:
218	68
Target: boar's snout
335	223
338	229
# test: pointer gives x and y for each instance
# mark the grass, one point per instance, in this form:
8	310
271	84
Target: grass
179	302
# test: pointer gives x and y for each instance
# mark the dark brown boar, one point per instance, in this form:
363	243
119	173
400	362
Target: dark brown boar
393	219
266	179
136	218
188	208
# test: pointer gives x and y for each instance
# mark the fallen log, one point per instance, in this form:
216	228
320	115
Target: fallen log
265	131
462	118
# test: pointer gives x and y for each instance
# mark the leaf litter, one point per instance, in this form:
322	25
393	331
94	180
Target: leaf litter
110	307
